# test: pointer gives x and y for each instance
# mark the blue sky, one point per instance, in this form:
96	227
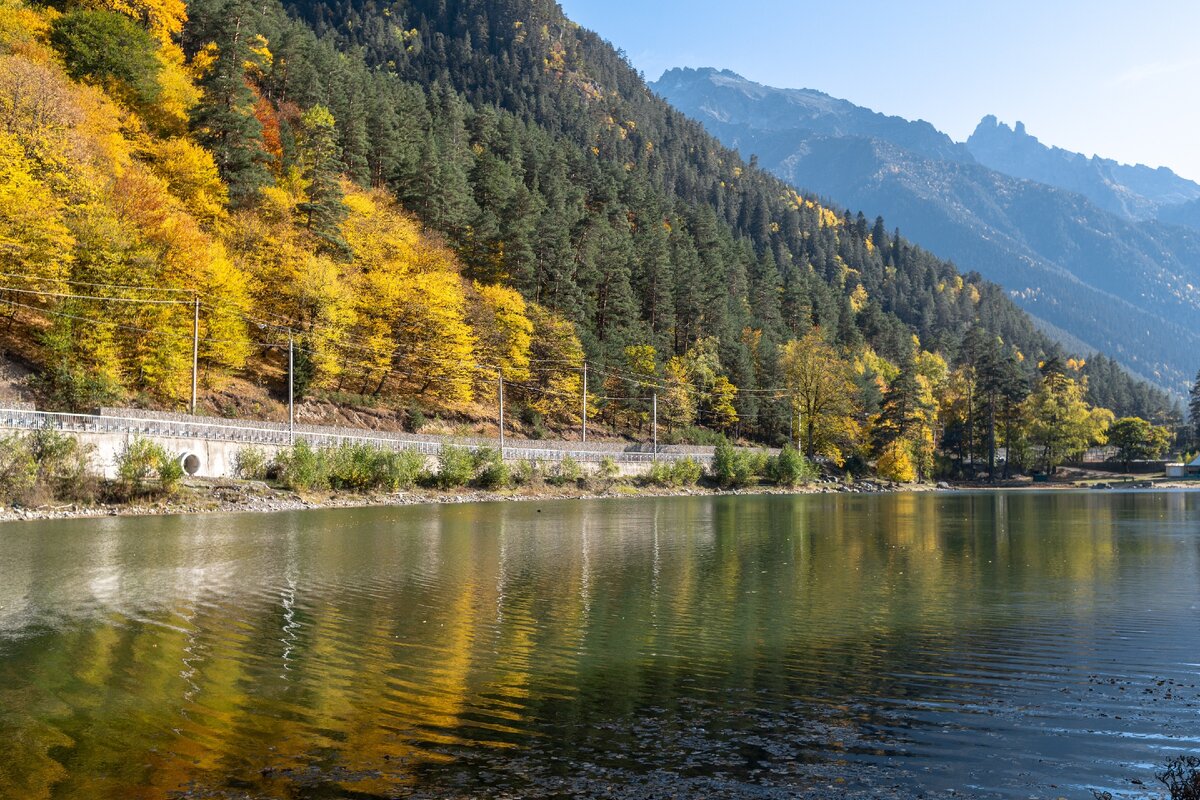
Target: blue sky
1119	79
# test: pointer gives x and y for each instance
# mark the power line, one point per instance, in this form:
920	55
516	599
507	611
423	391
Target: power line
66	296
71	282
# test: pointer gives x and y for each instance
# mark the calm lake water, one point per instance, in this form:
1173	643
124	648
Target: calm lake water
936	645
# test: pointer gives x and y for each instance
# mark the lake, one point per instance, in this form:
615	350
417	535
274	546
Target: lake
1025	644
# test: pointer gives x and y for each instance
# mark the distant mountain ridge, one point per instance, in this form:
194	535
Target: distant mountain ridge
1134	191
737	99
1124	286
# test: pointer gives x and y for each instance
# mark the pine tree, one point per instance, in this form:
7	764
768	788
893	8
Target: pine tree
1194	410
323	209
224	119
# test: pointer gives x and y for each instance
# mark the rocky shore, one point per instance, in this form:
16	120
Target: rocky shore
234	496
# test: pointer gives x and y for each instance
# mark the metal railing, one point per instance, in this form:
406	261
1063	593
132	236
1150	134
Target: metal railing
23	419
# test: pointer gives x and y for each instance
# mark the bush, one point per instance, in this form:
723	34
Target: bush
790	467
456	467
490	470
143	461
529	472
566	472
351	467
65	466
696	435
170	472
18	470
1182	777
534	422
735	468
250	463
405	468
608	468
416	420
301	468
660	474
686	472
77	389
46	465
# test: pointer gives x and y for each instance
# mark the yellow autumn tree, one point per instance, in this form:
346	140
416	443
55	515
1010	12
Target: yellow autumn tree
163	18
410	309
555	388
503	330
34	238
822	396
677	402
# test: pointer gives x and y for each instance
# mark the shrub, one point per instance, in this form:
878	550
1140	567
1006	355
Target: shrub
46	465
686	472
660	474
790	467
75	389
301	468
170	472
608	468
405	468
65	466
700	436
250	463
534	422
1182	777
490	470
529	472
734	468
18	469
456	467
351	467
142	461
416	420
566	472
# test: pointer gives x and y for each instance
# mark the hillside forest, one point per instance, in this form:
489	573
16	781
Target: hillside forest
427	199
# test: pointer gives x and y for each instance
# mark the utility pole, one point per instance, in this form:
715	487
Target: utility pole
654	427
500	376
195	349
585	401
291	389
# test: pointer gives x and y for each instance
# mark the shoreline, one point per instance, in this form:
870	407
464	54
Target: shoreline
238	496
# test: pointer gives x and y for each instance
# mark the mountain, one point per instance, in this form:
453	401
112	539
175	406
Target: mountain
726	97
1128	288
1136	192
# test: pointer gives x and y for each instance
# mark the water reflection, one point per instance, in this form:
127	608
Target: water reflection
708	644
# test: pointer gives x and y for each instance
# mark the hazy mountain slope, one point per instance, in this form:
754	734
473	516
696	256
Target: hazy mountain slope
1126	288
725	96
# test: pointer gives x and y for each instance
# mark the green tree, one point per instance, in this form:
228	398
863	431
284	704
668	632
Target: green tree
323	208
1194	410
821	393
110	50
1138	440
1060	420
224	119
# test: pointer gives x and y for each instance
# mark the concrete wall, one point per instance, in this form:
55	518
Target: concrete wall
218	459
